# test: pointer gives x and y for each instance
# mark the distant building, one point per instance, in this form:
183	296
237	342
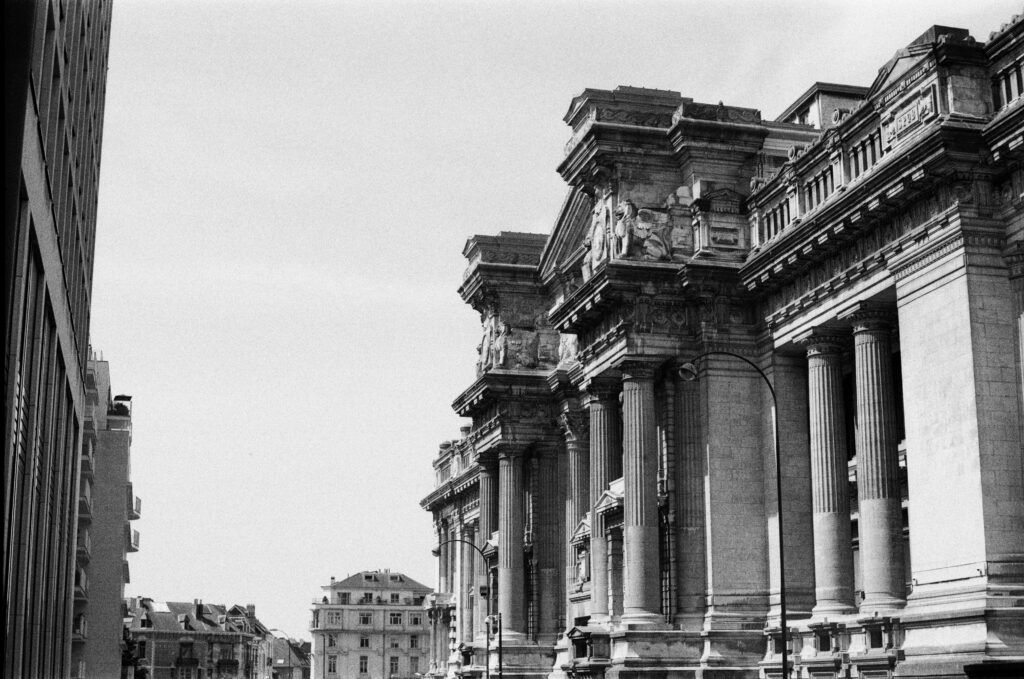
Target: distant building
175	640
106	507
371	625
286	658
55	70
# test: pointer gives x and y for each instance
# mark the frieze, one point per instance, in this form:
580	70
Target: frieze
857	257
906	81
633	117
718	112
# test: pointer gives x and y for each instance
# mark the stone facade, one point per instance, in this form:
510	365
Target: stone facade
841	290
371	625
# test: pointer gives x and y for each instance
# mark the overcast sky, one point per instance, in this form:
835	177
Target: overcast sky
286	189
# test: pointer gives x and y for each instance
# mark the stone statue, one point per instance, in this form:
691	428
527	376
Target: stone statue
499	350
626	213
486	342
568	347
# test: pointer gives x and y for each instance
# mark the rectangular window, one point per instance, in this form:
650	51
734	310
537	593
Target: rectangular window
368	597
364	662
343	597
393	665
416	619
414	641
394	642
395	619
394	597
332	664
186	673
364	618
333	618
414	665
332	640
364	642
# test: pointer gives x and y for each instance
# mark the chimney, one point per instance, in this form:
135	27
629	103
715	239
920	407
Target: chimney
199	608
250	610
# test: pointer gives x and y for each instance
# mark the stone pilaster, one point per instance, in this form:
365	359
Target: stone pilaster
833	550
511	581
642	595
690	545
878	488
443	584
576	427
605	459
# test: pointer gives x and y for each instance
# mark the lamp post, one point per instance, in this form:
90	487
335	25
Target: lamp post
487	603
688	371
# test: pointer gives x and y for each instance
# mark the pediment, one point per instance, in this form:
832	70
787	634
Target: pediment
570	230
582	531
612	498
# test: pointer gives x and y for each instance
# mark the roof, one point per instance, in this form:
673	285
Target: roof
196	617
821	88
383	580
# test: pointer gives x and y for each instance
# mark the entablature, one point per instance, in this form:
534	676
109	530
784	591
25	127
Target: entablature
509	407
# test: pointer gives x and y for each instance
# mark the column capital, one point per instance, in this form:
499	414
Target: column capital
575	423
602	388
634	369
869	315
511	451
824	340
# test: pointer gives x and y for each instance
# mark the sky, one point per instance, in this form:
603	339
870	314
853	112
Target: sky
285	192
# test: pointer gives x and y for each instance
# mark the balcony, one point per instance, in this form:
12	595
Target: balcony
84	546
80	629
132	539
88	461
125	576
81	585
134	504
85	501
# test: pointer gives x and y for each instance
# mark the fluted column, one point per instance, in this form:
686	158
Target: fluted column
690	546
642	596
510	544
605	452
833	550
878	488
547	546
442	557
467	575
575	425
488	481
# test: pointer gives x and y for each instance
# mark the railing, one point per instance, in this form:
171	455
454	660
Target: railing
84	544
80	632
85	500
132	539
134	504
81	584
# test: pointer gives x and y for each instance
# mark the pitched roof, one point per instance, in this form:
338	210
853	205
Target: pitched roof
384	579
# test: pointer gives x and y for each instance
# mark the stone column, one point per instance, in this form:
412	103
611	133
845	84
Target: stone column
833	550
511	581
616	572
488	481
878	488
604	449
575	425
442	557
642	596
467	576
547	546
690	546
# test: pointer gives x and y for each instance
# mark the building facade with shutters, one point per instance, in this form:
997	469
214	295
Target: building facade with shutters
371	625
736	325
55	69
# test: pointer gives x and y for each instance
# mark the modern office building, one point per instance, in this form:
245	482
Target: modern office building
107	505
371	625
754	407
55	66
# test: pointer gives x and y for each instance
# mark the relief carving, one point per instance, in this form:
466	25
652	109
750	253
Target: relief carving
642	234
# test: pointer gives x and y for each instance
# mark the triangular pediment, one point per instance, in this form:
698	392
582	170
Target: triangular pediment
611	499
568	235
582	531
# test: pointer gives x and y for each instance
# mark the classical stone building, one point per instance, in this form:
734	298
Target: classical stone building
107	505
371	625
861	259
55	69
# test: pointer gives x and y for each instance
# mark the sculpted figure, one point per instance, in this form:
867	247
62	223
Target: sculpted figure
499	350
568	347
598	237
485	344
624	225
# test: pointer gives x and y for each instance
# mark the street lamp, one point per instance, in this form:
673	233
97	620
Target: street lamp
487	601
688	372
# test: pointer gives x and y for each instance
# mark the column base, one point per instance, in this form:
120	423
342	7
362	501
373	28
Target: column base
834	608
643	620
881	603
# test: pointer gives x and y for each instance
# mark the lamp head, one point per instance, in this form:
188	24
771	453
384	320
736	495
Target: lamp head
688	372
